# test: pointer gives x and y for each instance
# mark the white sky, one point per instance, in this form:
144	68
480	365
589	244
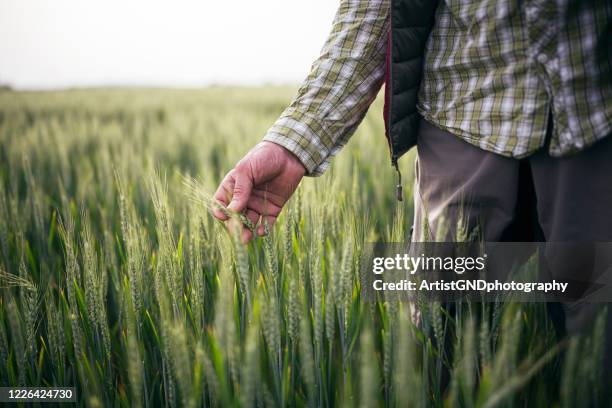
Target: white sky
64	43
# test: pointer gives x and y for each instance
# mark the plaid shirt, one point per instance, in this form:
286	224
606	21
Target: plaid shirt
493	72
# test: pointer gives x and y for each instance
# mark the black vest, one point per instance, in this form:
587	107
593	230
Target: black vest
411	23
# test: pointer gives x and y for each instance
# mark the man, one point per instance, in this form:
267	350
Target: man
508	102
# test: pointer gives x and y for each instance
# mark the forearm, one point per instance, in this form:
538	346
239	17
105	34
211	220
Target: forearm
342	84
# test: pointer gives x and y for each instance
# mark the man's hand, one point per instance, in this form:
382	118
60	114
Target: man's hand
260	185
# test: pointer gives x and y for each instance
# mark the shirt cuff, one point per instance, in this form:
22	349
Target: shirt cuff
301	134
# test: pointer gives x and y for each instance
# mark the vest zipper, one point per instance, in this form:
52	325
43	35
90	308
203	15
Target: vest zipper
399	193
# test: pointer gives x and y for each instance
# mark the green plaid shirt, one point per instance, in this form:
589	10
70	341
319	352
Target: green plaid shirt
494	70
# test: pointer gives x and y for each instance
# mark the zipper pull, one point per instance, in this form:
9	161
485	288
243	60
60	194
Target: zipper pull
399	191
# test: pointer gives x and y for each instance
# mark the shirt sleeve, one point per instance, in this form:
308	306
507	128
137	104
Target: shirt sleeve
343	82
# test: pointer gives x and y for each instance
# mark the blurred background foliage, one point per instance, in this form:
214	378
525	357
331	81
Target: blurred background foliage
116	281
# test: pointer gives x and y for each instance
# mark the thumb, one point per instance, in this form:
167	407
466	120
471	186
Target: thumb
242	191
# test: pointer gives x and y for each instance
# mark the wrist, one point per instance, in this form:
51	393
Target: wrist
291	158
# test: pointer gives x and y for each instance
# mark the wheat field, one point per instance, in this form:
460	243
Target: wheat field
116	280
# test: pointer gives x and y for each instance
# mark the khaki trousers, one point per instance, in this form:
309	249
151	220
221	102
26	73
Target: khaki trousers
464	192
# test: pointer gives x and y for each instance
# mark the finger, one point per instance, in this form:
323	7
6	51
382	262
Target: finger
247	236
262	205
253	216
218	213
224	191
270	219
223	195
243	185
